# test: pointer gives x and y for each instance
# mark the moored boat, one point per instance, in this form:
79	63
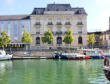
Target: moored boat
4	56
74	56
56	55
93	53
106	67
70	56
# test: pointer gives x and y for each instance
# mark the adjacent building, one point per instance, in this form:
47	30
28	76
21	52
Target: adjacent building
100	39
15	25
59	18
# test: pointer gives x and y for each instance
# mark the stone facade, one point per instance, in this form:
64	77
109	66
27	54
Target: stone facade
59	18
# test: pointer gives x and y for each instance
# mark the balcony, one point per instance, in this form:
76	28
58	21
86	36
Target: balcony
37	32
80	24
59	23
59	32
37	23
79	32
50	23
67	23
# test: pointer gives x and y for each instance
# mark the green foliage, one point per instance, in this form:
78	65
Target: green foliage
26	38
68	38
48	37
91	39
109	36
4	39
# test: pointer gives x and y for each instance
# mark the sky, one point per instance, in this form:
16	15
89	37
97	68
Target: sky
98	10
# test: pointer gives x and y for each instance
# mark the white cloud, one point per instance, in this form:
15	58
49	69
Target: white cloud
10	1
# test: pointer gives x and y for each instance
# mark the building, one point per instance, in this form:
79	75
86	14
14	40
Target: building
100	39
59	18
15	25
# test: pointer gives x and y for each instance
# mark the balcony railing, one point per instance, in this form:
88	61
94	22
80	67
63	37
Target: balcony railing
79	23
37	23
37	32
50	23
59	32
67	23
59	23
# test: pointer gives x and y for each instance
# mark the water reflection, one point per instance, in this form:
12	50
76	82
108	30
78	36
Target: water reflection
52	72
4	65
5	68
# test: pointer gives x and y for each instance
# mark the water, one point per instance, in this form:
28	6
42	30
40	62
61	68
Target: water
52	72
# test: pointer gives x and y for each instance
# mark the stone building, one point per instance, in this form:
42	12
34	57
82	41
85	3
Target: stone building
100	39
15	25
59	18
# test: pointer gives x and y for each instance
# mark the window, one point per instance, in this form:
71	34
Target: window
2	26
15	29
59	40
37	23
79	23
50	23
79	32
67	23
22	27
80	40
8	28
59	23
37	40
28	27
66	9
57	9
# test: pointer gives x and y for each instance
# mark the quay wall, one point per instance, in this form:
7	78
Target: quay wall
42	53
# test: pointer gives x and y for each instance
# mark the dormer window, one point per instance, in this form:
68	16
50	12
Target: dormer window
59	23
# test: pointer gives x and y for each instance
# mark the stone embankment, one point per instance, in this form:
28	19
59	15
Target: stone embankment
34	54
41	54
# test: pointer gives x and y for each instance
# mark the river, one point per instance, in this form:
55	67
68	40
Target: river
42	71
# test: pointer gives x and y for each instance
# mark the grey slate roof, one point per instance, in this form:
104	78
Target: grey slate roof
38	11
13	17
58	7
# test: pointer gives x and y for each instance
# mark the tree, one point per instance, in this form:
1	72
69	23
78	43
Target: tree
91	39
48	37
4	39
68	38
26	38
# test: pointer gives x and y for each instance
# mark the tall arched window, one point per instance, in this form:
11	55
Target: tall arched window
80	40
37	40
59	40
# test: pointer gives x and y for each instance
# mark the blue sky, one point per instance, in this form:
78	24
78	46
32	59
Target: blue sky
98	10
